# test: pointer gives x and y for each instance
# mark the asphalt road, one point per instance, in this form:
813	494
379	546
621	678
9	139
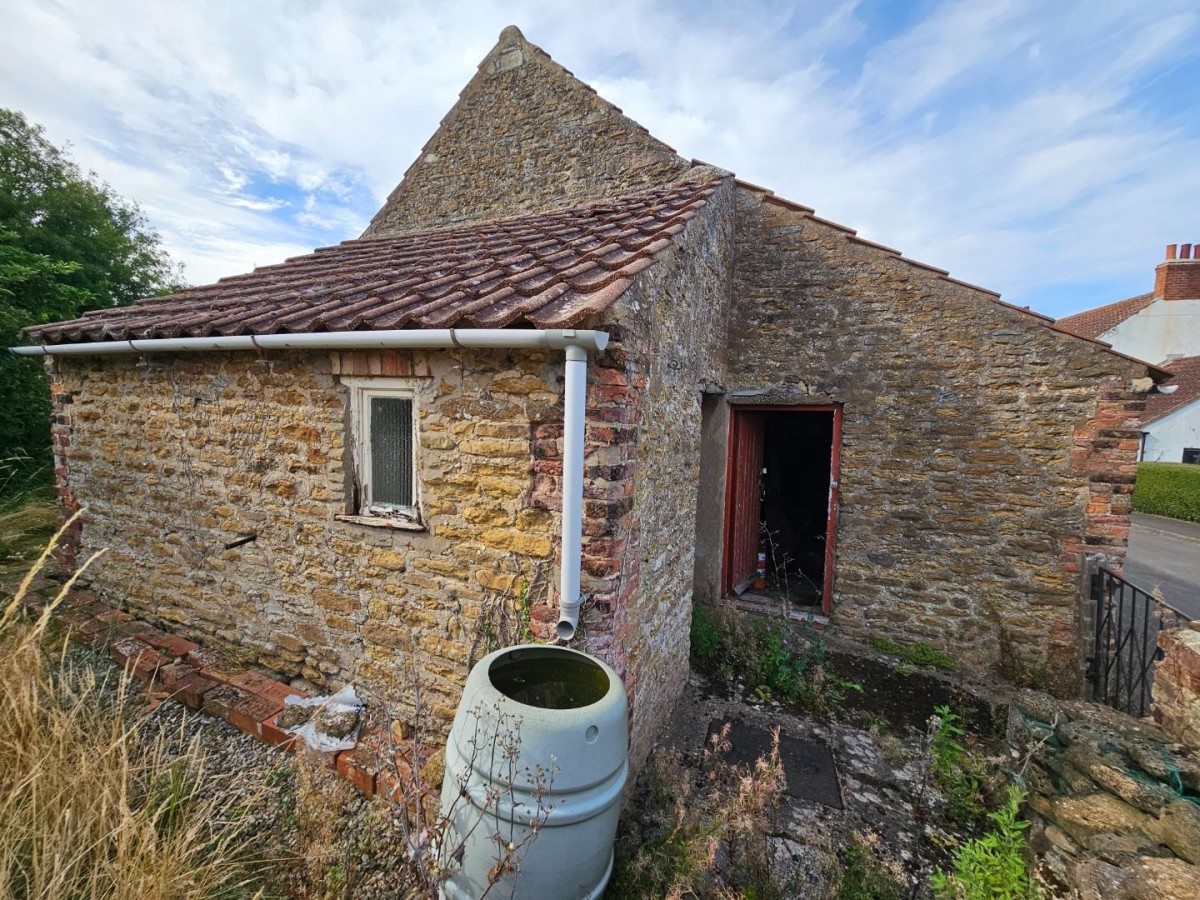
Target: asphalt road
1166	553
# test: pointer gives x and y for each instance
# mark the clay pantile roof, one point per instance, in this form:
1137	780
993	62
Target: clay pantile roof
1091	323
1187	375
549	270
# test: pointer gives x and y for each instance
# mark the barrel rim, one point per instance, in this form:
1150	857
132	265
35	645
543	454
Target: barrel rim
613	681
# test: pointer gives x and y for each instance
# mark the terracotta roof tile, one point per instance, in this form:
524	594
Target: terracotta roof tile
549	269
1187	376
1091	323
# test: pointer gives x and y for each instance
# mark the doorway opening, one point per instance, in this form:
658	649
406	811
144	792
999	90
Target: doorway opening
781	504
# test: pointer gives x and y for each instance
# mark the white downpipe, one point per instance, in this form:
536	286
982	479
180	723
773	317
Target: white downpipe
574	411
576	343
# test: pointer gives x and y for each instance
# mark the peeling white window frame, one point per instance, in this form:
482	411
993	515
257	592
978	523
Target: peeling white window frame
362	391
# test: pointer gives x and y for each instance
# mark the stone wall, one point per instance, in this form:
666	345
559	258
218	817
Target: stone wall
524	136
1112	799
176	458
982	451
1177	684
669	345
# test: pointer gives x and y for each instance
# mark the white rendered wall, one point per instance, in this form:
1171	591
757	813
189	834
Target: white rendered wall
1166	438
1164	328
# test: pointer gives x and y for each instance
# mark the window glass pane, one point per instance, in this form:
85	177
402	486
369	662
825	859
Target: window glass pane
391	451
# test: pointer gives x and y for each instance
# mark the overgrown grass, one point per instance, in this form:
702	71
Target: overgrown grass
26	523
1168	489
773	658
88	808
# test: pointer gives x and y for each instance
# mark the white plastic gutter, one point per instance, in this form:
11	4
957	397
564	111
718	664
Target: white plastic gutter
575	342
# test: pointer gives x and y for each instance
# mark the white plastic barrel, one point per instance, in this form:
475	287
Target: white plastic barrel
535	766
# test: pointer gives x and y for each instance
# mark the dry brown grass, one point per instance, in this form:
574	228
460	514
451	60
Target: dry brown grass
88	808
25	525
702	833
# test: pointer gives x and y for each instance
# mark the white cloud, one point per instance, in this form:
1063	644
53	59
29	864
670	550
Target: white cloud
1022	145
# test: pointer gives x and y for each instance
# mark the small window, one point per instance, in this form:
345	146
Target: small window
385	450
1191	455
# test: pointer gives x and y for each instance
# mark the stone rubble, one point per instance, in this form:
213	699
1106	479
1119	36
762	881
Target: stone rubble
1115	801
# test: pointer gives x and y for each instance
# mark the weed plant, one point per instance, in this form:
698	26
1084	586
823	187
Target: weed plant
702	834
772	658
994	866
867	873
958	771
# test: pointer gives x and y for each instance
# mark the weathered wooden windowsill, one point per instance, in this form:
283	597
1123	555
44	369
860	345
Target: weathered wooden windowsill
381	522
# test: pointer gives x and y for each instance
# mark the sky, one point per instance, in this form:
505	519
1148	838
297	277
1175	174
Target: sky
1048	151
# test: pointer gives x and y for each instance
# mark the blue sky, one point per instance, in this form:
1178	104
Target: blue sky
1045	150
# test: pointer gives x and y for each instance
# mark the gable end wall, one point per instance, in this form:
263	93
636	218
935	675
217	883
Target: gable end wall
982	451
524	136
671	343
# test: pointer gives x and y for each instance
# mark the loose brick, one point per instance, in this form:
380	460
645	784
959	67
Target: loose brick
190	690
270	732
170	644
113	616
241	708
359	766
214	664
262	686
137	657
170	675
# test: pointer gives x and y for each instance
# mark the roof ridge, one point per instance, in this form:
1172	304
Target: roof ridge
687	179
1086	321
769	196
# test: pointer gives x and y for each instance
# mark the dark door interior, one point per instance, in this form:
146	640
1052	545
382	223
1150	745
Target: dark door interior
782	501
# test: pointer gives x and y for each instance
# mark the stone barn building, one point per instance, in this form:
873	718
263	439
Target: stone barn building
564	366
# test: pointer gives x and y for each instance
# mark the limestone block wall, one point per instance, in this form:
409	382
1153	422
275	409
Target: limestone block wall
524	136
981	450
1177	684
176	458
668	335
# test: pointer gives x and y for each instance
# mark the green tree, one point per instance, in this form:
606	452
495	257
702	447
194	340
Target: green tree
68	243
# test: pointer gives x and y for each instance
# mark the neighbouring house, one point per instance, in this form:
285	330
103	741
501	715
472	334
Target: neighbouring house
1171	424
564	366
1162	326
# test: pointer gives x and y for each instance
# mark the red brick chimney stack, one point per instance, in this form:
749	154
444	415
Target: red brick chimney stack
1178	277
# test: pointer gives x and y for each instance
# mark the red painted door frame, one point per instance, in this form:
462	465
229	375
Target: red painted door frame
743	508
739	428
